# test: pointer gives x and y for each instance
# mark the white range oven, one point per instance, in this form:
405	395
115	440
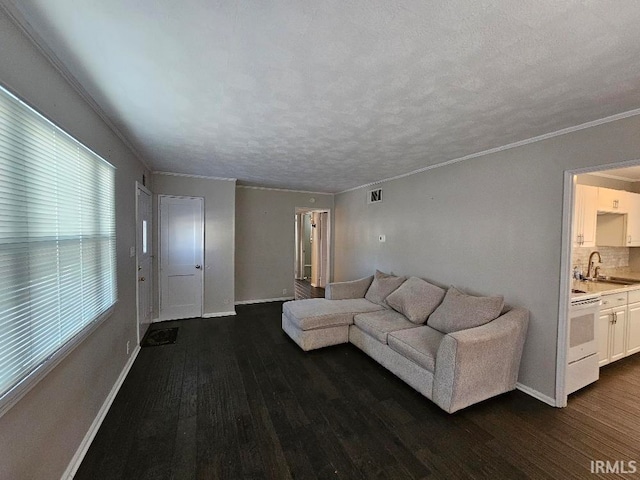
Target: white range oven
582	355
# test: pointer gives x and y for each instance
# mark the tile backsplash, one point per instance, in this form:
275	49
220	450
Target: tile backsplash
612	257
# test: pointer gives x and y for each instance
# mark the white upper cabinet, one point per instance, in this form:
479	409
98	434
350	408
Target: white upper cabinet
616	201
633	220
585	215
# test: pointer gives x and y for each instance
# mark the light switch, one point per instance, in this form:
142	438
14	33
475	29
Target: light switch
382	238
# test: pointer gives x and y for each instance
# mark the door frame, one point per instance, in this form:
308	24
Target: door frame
159	250
303	210
140	187
568	205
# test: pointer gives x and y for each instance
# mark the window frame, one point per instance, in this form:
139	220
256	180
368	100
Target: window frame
18	391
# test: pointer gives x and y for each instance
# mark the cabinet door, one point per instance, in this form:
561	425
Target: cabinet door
604	321
576	228
610	200
618	332
585	214
589	215
633	220
633	329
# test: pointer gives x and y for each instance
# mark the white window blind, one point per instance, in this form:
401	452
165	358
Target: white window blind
57	241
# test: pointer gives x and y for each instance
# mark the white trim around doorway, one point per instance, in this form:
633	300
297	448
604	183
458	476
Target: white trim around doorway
302	210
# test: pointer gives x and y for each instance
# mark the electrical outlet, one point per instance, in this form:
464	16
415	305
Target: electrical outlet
284	291
127	347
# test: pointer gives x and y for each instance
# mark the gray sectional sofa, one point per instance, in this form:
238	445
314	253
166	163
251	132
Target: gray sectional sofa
453	348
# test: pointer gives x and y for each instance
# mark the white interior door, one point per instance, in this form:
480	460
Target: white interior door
316	242
144	251
320	244
299	254
181	257
323	248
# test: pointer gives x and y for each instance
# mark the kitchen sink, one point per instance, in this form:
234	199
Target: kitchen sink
616	281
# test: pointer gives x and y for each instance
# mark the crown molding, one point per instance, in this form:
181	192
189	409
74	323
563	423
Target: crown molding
19	19
284	190
174	174
509	146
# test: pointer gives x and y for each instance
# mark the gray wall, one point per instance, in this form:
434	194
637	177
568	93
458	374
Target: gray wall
41	433
219	217
490	225
265	240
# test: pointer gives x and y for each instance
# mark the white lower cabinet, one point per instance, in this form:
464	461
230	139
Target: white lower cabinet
612	328
617	350
633	329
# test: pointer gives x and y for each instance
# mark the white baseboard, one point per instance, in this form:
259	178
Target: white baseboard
102	413
536	394
264	300
218	314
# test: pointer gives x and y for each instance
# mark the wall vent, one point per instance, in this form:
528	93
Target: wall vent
375	196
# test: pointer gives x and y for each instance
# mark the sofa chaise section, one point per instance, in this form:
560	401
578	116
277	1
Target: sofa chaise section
319	322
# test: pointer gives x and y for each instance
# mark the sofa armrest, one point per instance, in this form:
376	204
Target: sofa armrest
475	364
347	290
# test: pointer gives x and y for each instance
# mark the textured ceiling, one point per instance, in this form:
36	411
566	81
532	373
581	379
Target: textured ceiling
330	95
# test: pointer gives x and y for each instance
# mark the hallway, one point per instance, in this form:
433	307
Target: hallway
305	290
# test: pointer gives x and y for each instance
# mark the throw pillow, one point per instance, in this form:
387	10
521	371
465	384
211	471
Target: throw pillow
459	311
383	284
416	299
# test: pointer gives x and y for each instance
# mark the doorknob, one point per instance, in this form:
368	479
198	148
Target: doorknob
198	267
142	279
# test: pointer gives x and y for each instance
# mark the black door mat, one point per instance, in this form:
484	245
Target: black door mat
163	336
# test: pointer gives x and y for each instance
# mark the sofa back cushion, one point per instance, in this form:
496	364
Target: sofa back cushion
383	284
416	299
459	311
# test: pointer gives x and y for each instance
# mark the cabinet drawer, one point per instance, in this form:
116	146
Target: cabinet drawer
613	300
634	296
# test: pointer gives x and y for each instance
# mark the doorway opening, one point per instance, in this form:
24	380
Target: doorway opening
312	252
600	259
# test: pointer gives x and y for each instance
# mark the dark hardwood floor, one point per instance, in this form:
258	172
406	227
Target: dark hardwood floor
235	398
305	290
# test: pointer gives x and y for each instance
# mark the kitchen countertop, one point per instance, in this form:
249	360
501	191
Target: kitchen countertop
622	272
600	287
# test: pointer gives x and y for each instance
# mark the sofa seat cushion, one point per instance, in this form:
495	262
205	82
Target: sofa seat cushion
314	313
419	345
379	324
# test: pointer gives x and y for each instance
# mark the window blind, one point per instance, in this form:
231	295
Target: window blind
57	240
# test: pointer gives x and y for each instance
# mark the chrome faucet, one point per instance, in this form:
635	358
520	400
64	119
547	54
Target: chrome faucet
595	252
